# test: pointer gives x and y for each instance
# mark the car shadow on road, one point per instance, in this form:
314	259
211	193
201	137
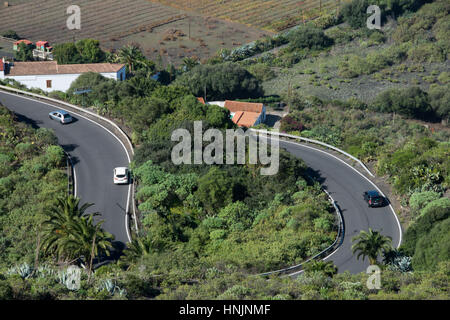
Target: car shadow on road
315	176
68	148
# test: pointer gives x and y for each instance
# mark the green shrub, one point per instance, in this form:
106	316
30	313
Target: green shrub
5	162
429	218
221	81
23	149
411	102
377	37
439	100
309	37
419	200
433	247
441	203
444	77
427	52
54	156
340	34
261	72
355	13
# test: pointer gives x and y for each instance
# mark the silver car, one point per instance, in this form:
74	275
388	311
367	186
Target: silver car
62	116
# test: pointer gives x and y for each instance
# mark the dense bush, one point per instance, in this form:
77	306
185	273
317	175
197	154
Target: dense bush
411	102
433	247
309	37
439	100
32	176
221	81
291	123
10	34
419	200
424	224
261	72
355	13
83	51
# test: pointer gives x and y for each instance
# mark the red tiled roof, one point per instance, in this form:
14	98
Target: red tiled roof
52	67
201	100
27	42
235	106
245	119
41	43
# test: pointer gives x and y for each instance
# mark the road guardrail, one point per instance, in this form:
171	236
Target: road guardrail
318	143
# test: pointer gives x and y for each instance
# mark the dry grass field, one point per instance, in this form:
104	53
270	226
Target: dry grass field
273	15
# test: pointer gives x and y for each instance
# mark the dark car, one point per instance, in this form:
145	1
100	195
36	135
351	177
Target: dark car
373	198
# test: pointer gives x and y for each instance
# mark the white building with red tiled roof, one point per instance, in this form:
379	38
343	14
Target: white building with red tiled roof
49	76
244	114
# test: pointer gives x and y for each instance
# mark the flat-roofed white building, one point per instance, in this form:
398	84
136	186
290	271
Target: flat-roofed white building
50	76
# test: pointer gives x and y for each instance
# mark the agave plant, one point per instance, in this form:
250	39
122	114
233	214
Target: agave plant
24	270
108	285
111	287
121	292
45	271
70	279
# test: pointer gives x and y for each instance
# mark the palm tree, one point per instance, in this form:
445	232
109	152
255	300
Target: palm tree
328	268
60	222
70	233
130	55
371	244
112	57
190	63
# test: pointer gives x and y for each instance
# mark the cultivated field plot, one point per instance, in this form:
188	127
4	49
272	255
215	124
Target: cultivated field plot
102	20
158	29
274	15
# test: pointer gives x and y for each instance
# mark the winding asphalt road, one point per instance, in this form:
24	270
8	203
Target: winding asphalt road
346	186
95	153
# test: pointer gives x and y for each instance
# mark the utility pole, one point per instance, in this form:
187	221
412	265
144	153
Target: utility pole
189	19
204	91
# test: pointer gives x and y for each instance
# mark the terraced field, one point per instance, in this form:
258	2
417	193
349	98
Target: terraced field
103	20
160	30
274	15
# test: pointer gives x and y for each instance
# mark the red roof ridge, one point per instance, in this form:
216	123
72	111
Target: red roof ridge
235	106
52	67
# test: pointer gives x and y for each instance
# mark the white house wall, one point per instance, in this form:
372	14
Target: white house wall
60	82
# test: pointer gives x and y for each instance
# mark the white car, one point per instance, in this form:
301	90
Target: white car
121	175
